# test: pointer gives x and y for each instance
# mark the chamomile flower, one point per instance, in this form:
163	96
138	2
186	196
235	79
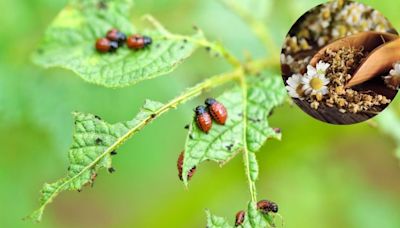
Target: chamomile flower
295	87
314	84
396	70
320	69
393	80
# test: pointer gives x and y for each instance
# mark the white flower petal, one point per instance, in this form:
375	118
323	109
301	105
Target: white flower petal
294	83
311	71
324	90
292	92
397	68
322	66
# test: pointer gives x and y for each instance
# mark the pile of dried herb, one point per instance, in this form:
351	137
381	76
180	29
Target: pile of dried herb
343	63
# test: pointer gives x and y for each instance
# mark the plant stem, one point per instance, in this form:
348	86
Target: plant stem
191	93
256	66
252	186
200	40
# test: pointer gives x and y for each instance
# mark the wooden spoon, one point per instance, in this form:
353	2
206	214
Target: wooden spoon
379	62
384	48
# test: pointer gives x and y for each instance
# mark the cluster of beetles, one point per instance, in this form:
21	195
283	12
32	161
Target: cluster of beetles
204	116
213	110
115	39
264	206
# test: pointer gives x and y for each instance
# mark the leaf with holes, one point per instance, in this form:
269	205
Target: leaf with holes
216	222
93	142
69	43
253	218
224	141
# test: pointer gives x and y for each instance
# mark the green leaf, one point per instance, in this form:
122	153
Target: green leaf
216	222
253	219
224	141
93	141
69	43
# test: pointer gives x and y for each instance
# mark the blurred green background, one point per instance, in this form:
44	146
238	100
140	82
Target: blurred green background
321	175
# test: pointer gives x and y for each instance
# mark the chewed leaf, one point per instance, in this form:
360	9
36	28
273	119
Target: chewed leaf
93	142
253	219
224	141
216	222
264	94
69	42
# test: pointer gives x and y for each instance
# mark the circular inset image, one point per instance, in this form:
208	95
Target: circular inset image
341	62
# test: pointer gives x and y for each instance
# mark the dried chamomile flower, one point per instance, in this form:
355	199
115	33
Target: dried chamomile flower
287	59
314	105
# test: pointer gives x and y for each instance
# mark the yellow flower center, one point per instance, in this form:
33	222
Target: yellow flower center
316	84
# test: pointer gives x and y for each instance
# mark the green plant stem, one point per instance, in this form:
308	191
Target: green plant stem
191	93
201	41
258	28
252	185
256	66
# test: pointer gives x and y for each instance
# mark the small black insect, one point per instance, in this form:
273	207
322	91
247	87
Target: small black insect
98	141
266	206
97	117
203	119
153	115
191	136
240	216
187	126
113	152
217	110
271	113
229	147
111	170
